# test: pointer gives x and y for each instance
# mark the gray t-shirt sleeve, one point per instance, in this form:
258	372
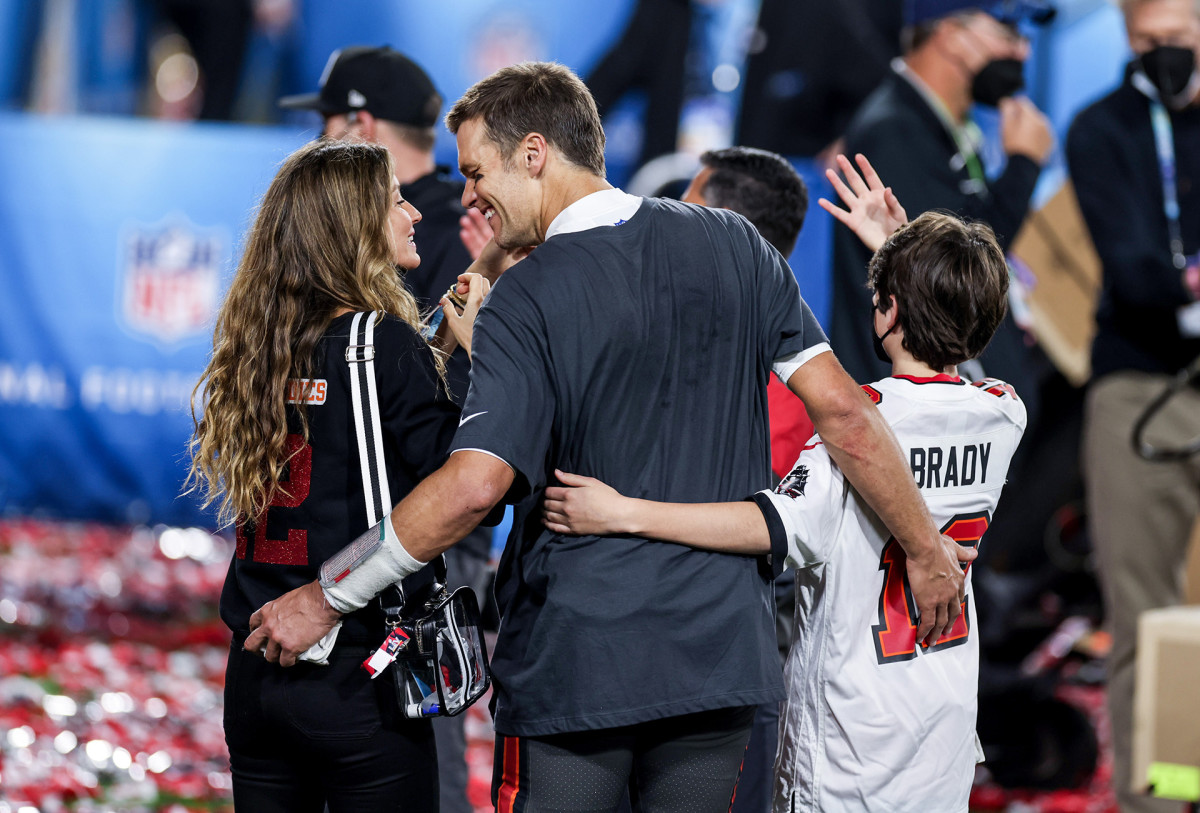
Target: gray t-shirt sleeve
509	409
790	325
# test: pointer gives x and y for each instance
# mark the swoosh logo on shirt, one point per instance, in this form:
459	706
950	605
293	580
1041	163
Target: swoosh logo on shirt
461	421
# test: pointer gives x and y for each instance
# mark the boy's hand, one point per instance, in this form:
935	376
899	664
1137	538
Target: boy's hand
586	506
874	212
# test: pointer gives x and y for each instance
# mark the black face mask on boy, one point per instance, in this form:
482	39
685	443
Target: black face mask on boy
877	341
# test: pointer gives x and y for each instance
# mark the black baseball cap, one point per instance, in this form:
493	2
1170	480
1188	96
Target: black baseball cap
385	83
1012	12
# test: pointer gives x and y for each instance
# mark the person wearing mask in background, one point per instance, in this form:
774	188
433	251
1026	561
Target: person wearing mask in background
917	129
380	96
1134	157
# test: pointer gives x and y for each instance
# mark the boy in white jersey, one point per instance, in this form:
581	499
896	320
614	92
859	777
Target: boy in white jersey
872	721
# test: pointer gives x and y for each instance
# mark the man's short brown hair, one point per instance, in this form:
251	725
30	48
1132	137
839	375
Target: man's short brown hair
536	97
950	280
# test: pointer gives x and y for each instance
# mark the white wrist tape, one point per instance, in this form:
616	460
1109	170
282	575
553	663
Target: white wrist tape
360	571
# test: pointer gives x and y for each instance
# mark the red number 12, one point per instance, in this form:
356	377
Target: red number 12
294	549
895	635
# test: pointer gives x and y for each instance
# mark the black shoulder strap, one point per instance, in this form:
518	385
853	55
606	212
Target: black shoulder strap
360	355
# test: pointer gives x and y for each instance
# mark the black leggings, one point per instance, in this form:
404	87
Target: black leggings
309	736
687	764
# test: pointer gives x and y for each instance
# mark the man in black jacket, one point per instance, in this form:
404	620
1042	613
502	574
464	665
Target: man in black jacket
1122	152
917	131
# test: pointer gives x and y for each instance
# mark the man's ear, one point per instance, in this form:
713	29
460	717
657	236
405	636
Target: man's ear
365	126
532	153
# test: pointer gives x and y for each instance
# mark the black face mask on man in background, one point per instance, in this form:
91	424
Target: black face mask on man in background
1170	69
999	79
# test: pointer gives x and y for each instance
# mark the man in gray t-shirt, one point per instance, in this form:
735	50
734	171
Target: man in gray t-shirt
633	345
666	395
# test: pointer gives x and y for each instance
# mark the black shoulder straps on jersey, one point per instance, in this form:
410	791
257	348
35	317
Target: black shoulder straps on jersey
360	355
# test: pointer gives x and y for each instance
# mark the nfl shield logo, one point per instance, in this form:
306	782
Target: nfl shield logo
171	280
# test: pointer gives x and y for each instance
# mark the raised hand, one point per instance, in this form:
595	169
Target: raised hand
1025	130
474	231
872	210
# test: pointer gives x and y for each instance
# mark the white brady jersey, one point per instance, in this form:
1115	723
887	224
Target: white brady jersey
872	721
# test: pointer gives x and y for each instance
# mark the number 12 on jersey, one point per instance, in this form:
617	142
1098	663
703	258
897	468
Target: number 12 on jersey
293	490
895	636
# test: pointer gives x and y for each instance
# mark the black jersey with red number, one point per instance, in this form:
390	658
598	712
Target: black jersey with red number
324	508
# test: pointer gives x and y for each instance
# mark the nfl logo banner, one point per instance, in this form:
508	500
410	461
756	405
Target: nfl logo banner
170	280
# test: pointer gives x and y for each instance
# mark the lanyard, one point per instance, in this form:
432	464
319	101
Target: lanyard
966	136
966	146
1164	143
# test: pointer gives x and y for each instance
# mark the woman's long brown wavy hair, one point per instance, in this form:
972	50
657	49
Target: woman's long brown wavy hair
320	242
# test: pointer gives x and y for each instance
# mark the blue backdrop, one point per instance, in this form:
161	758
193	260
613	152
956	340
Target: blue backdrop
118	236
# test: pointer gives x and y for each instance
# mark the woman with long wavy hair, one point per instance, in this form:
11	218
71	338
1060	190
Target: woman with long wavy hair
275	451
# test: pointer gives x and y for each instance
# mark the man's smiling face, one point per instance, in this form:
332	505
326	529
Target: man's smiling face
501	189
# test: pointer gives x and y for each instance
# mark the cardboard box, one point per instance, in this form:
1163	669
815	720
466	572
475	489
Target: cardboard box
1055	245
1166	704
1192	583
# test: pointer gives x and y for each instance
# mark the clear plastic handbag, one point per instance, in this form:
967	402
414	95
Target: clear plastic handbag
434	635
443	669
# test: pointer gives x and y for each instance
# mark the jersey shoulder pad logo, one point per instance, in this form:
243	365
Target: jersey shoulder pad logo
793	485
875	395
996	387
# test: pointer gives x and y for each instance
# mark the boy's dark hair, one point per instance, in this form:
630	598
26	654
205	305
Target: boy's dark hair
950	280
535	97
762	187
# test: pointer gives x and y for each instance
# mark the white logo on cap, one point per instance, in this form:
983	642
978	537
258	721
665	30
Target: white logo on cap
355	99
